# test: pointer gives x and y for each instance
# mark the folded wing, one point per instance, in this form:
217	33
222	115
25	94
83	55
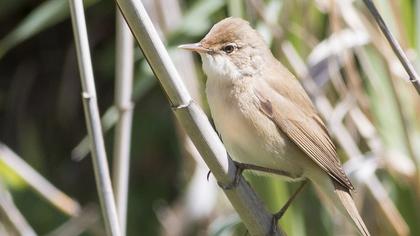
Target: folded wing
304	127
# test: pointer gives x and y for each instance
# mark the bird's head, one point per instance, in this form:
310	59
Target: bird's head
231	49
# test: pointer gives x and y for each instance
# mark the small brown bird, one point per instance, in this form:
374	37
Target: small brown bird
265	117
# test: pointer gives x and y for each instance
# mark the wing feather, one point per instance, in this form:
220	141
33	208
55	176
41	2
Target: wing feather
307	131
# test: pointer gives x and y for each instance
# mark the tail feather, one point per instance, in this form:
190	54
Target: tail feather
332	192
348	203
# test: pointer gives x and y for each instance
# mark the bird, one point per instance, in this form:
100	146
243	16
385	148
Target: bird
265	118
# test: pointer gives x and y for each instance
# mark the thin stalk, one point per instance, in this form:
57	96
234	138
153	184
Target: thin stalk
123	91
9	213
414	78
37	182
110	116
93	123
245	201
88	218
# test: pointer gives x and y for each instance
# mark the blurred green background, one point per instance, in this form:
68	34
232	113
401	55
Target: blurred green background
347	58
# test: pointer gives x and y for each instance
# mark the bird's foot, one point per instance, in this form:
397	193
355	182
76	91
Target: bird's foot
239	169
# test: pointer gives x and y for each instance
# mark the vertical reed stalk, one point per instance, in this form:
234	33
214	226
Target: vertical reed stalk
93	123
122	141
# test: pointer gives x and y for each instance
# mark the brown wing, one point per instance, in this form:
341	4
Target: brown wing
307	131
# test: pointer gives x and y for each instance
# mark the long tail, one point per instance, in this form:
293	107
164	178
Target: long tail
348	203
334	193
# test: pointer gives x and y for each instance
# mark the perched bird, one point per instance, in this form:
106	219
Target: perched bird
265	118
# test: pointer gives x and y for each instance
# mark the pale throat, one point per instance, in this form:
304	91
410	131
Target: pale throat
217	67
221	67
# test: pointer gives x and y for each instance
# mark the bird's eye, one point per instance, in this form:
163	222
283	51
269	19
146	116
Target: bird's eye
229	48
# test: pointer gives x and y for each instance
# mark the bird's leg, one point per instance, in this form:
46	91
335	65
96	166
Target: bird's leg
277	216
240	167
245	166
280	213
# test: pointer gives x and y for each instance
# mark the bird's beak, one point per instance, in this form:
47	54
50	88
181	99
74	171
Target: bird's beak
196	47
